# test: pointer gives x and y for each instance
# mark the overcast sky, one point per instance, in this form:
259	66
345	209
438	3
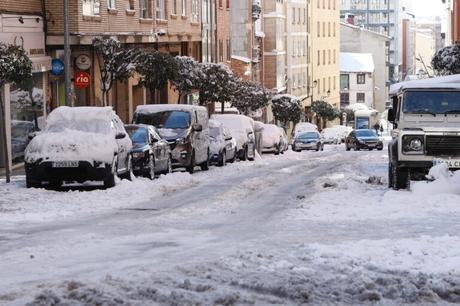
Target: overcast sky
428	8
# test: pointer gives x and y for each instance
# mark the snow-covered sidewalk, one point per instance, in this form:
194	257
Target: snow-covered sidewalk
310	227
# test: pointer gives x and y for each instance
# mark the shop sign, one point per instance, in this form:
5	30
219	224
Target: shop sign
83	62
82	79
57	67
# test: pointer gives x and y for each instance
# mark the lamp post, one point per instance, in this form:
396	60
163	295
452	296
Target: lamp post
67	55
310	90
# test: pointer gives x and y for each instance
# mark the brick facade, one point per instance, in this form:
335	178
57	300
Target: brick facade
30	7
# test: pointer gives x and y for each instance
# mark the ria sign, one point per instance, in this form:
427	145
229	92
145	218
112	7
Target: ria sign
82	79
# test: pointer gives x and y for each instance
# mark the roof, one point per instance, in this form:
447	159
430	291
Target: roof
445	82
356	62
344	24
155	108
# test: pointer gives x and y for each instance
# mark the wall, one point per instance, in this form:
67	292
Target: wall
367	88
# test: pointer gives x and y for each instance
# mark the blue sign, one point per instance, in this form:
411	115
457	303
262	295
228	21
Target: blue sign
57	67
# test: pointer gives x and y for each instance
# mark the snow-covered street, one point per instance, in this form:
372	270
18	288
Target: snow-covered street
309	227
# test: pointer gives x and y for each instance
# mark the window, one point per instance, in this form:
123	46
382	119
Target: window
160	9
184	7
324	29
335	56
319	58
319	29
195	11
360	97
228	49
293	15
112	4
91	8
324	57
304	16
173	7
324	84
344	82
361	78
228	3
221	50
130	5
220	3
319	86
145	9
329	56
335	82
298	16
329	29
344	99
334	29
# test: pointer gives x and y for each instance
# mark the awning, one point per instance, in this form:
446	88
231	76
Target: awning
41	64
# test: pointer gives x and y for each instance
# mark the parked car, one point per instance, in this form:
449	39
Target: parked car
223	146
363	139
79	144
271	139
284	141
242	130
335	134
308	141
185	127
303	127
20	131
151	153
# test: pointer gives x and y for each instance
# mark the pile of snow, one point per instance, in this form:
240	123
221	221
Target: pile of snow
217	141
239	125
444	182
336	133
271	136
357	107
302	127
76	134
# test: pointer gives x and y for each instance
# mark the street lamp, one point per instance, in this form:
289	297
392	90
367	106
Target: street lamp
328	94
310	91
67	55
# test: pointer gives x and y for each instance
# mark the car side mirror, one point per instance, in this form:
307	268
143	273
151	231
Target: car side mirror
197	127
153	140
391	115
120	136
228	138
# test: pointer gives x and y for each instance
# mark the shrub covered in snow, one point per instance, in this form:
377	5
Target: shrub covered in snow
287	108
446	61
156	69
15	65
189	75
324	111
219	84
116	62
250	97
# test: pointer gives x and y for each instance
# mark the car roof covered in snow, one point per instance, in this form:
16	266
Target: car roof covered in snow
156	108
80	113
445	82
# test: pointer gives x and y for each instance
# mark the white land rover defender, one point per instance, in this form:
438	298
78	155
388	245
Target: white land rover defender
426	119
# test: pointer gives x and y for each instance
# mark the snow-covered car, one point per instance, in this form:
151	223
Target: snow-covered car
307	141
303	127
284	145
150	152
335	134
272	138
20	131
79	144
222	145
242	129
185	127
363	139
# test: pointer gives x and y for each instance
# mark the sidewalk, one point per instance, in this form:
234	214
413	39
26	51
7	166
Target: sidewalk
18	169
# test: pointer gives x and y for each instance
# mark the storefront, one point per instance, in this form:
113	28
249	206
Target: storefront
25	109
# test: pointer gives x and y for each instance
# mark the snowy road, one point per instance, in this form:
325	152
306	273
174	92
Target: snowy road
311	227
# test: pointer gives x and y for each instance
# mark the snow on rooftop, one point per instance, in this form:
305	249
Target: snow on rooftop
356	62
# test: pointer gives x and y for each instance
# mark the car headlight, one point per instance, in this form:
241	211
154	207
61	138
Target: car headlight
180	141
413	144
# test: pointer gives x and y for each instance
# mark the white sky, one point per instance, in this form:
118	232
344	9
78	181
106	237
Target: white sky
428	8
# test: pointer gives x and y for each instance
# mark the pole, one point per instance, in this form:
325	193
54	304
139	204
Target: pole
67	55
6	159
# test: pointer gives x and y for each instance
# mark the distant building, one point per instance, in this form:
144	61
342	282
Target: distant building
425	50
382	17
408	46
357	82
358	40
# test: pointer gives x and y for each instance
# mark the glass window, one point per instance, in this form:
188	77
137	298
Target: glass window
437	102
360	97
166	119
91	8
195	13
344	82
184	7
137	135
361	78
112	4
160	9
145	7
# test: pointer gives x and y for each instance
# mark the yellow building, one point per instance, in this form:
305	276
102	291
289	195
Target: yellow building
324	71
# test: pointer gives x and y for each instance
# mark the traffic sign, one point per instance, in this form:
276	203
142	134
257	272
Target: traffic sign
82	79
57	67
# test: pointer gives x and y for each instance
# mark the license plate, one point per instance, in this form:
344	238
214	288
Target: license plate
65	164
452	163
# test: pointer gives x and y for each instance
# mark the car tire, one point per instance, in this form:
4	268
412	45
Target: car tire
380	149
322	147
169	168
400	178
129	167
254	155
234	157
55	184
205	166
245	154
151	170
191	167
32	184
347	148
109	181
223	159
277	150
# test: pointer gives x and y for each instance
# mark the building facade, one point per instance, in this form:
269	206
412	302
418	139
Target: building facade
357	81
409	42
22	23
382	17
359	40
424	50
325	51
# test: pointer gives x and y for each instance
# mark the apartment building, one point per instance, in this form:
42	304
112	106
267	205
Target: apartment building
453	7
172	26
325	50
22	23
223	31
408	50
425	49
381	16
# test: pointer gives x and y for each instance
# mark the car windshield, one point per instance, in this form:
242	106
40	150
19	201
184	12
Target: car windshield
90	126
138	134
166	119
310	135
432	102
366	133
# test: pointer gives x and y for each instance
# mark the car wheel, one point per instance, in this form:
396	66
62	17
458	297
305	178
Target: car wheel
151	170
55	184
191	167
223	159
205	166
253	155
347	148
322	147
245	154
169	168
32	184
277	150
234	157
390	175
109	181
401	178
129	166
380	149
